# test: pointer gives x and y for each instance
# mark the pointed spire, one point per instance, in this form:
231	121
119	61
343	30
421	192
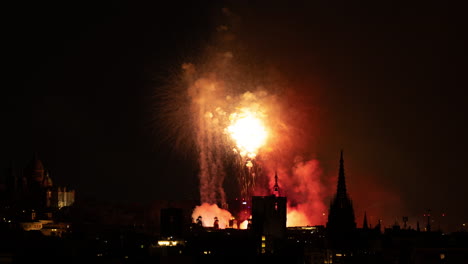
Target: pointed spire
341	188
341	215
276	186
364	225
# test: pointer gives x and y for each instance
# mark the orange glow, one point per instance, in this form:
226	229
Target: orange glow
208	212
248	131
296	218
244	224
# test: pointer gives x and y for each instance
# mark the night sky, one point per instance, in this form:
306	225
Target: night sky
386	83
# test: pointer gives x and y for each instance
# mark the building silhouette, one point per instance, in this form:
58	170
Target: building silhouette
341	215
269	222
341	225
112	233
30	201
172	222
31	188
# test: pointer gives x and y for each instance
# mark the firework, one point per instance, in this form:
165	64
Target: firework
242	124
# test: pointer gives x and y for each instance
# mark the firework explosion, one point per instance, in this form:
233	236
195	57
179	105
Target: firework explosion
242	125
243	131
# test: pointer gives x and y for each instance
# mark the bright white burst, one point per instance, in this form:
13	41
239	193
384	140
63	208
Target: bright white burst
248	131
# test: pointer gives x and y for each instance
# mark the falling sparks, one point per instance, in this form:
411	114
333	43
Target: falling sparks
241	124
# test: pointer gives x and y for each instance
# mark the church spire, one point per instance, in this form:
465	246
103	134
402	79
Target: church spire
341	188
276	187
364	225
341	214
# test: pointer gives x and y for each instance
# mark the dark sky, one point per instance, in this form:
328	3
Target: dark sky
388	80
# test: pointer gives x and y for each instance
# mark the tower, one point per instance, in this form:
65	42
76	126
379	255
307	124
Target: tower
276	187
35	171
34	193
268	221
172	221
428	225
341	215
364	224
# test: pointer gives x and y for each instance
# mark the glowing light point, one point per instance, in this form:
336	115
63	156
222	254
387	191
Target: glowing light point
248	131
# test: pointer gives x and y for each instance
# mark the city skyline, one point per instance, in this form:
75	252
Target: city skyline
383	83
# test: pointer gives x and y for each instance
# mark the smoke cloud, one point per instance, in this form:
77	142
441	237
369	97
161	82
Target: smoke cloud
209	212
225	79
244	67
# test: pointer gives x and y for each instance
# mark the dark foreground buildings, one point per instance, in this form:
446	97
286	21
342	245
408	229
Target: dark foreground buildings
119	234
268	240
29	199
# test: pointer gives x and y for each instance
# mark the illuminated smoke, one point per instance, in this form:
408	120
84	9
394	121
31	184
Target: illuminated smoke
243	122
306	192
300	182
258	133
207	118
208	212
296	218
244	224
224	120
